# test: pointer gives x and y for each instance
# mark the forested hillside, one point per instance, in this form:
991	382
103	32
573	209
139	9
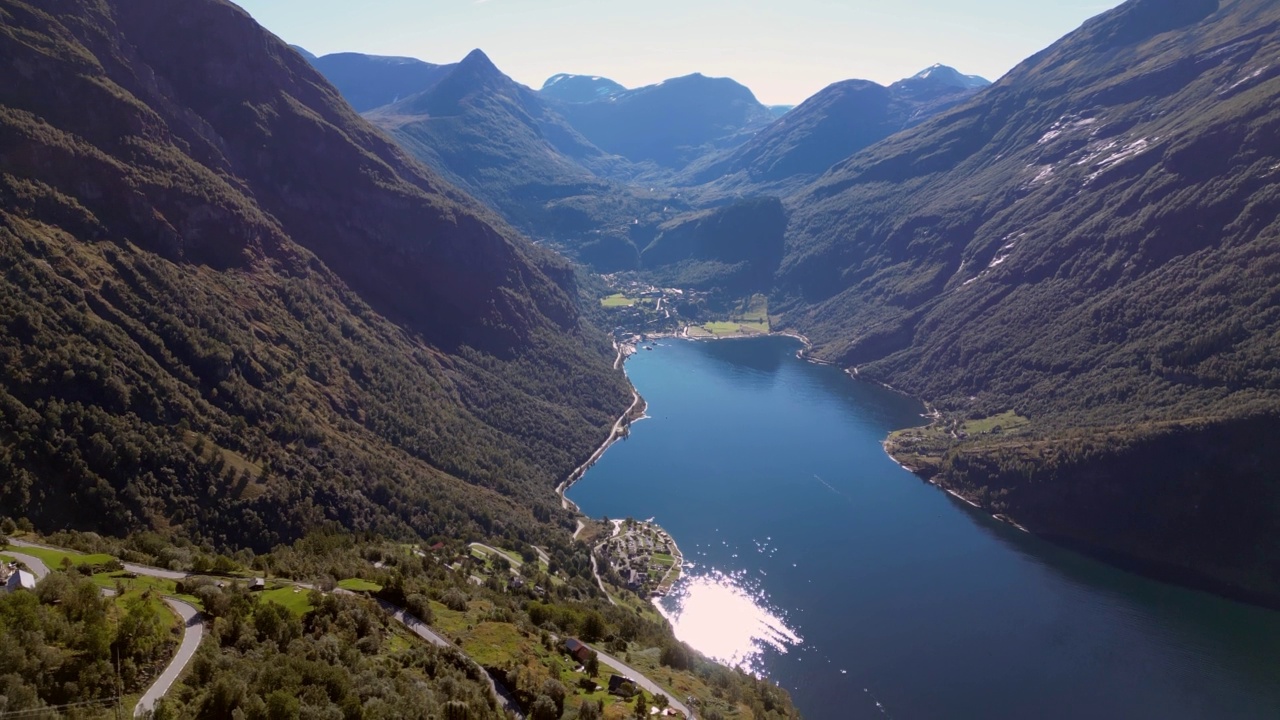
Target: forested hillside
230	308
1093	244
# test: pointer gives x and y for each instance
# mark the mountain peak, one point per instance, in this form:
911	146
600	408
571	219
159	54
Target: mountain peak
947	75
568	87
477	60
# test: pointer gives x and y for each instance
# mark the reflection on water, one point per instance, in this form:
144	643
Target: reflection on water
722	617
771	472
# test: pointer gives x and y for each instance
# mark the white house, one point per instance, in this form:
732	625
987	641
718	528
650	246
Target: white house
16	579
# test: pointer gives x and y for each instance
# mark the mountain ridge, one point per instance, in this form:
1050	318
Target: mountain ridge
689	113
371	81
567	87
503	143
1089	243
247	339
833	124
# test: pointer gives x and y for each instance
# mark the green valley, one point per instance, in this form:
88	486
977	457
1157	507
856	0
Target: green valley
320	341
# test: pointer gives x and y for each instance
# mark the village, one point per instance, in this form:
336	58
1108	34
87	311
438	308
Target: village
641	311
643	556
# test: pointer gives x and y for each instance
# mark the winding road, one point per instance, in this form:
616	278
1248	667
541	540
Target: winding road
147	570
614	434
191	636
34	564
595	568
639	679
424	631
193	623
194	631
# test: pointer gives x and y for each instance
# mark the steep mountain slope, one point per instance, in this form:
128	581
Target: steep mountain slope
1093	243
371	81
838	121
231	308
501	141
672	123
734	248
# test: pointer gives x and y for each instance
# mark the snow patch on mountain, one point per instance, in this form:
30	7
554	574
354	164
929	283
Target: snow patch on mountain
950	76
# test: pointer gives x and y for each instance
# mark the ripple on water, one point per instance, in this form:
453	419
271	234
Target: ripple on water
719	615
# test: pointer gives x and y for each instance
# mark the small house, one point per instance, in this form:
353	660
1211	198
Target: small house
13	579
577	649
258	585
617	681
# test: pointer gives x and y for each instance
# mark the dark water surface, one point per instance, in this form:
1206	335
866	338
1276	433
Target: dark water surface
820	563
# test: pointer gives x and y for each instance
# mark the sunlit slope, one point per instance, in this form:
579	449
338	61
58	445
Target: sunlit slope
1093	243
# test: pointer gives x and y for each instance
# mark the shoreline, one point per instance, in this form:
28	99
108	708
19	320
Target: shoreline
624	421
628	348
636	411
1177	576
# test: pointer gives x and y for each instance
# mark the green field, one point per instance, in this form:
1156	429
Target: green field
997	423
358	585
295	599
54	558
121	582
922	448
750	317
618	300
481	552
728	328
504	645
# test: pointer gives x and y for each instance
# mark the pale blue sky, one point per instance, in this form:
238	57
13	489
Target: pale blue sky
784	50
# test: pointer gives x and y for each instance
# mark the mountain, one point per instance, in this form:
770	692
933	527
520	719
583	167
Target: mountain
672	123
371	81
232	310
733	248
308	55
500	141
1092	244
943	76
579	88
934	90
838	121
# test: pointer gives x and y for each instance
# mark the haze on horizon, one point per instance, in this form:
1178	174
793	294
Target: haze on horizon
783	53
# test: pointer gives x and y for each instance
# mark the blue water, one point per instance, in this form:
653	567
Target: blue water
876	595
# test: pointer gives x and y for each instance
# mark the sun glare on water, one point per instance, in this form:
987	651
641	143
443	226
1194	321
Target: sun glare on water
717	616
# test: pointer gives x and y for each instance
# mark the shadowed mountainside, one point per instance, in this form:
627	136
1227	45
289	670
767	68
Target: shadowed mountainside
672	123
371	81
232	309
735	248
